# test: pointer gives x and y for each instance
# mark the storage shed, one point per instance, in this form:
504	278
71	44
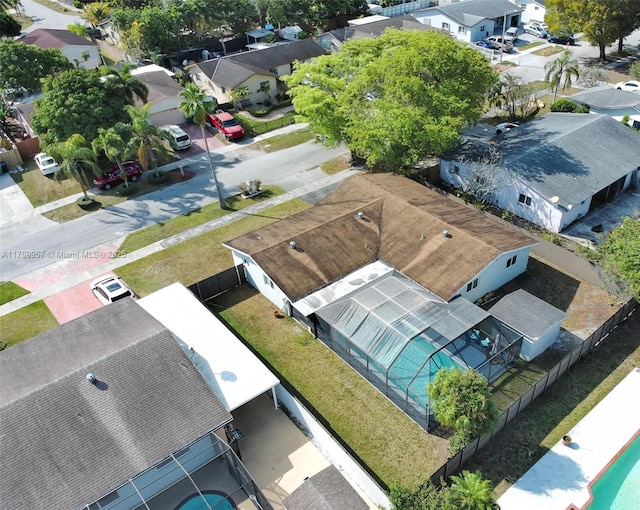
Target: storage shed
537	320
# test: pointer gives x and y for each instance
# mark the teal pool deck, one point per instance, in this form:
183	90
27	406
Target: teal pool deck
564	477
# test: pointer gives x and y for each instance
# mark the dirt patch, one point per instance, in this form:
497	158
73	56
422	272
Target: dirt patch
178	176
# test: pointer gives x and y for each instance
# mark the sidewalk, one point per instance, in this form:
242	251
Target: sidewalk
113	264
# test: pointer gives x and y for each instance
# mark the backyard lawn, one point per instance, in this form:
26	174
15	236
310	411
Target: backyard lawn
386	440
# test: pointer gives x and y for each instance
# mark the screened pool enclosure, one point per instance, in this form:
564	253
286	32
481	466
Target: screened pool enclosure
398	335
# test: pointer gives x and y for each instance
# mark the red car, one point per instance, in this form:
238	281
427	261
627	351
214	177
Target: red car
226	124
112	177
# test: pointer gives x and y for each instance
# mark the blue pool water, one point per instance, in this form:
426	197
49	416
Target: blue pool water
619	487
216	500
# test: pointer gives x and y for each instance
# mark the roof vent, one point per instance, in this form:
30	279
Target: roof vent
445	233
360	215
292	244
91	378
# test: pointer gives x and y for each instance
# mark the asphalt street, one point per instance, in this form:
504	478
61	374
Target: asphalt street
289	169
44	17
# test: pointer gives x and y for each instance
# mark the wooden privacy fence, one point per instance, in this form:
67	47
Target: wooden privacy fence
218	283
455	464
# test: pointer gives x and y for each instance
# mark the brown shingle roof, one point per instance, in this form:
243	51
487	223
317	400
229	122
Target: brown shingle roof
52	38
402	225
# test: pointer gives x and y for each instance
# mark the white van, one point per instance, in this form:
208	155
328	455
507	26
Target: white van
181	138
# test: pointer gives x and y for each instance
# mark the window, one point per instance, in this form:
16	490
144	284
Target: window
482	28
472	285
445	26
461	30
224	90
267	281
454	169
512	261
524	199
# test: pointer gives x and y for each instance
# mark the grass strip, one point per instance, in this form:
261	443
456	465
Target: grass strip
191	219
384	438
279	142
198	258
10	291
26	322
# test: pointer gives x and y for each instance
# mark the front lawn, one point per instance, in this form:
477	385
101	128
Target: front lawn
41	189
191	219
383	437
10	291
198	258
279	142
26	322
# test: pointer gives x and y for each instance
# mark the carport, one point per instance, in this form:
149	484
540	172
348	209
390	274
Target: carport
234	373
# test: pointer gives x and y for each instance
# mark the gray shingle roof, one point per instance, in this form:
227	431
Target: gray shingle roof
232	70
526	313
65	441
471	12
326	490
607	97
568	155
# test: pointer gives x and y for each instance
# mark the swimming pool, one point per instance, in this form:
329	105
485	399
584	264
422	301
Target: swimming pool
619	486
216	500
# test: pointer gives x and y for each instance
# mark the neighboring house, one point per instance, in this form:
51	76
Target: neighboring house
257	70
332	41
81	52
108	412
533	10
164	94
385	272
290	33
472	20
554	169
610	101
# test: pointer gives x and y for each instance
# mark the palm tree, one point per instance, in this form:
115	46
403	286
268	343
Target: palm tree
265	88
195	104
96	12
239	95
471	492
147	140
110	141
73	158
562	67
129	86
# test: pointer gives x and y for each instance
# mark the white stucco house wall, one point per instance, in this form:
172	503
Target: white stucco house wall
471	20
81	52
533	10
554	169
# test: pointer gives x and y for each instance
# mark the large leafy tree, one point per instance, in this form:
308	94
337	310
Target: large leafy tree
311	14
196	105
41	64
9	27
469	491
74	159
77	101
395	99
462	400
620	254
561	71
601	21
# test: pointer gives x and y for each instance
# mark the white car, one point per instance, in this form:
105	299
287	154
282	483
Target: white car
505	126
537	30
46	163
110	288
631	86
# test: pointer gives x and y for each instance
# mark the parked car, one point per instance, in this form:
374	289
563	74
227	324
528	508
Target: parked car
536	30
631	86
483	44
181	138
110	288
505	126
46	163
497	43
561	38
226	124
112	177
511	34
540	25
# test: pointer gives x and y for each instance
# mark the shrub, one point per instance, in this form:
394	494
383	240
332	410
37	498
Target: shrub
87	203
568	106
158	178
552	238
634	70
126	190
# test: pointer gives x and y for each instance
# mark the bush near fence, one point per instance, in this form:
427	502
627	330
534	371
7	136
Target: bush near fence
455	464
266	126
